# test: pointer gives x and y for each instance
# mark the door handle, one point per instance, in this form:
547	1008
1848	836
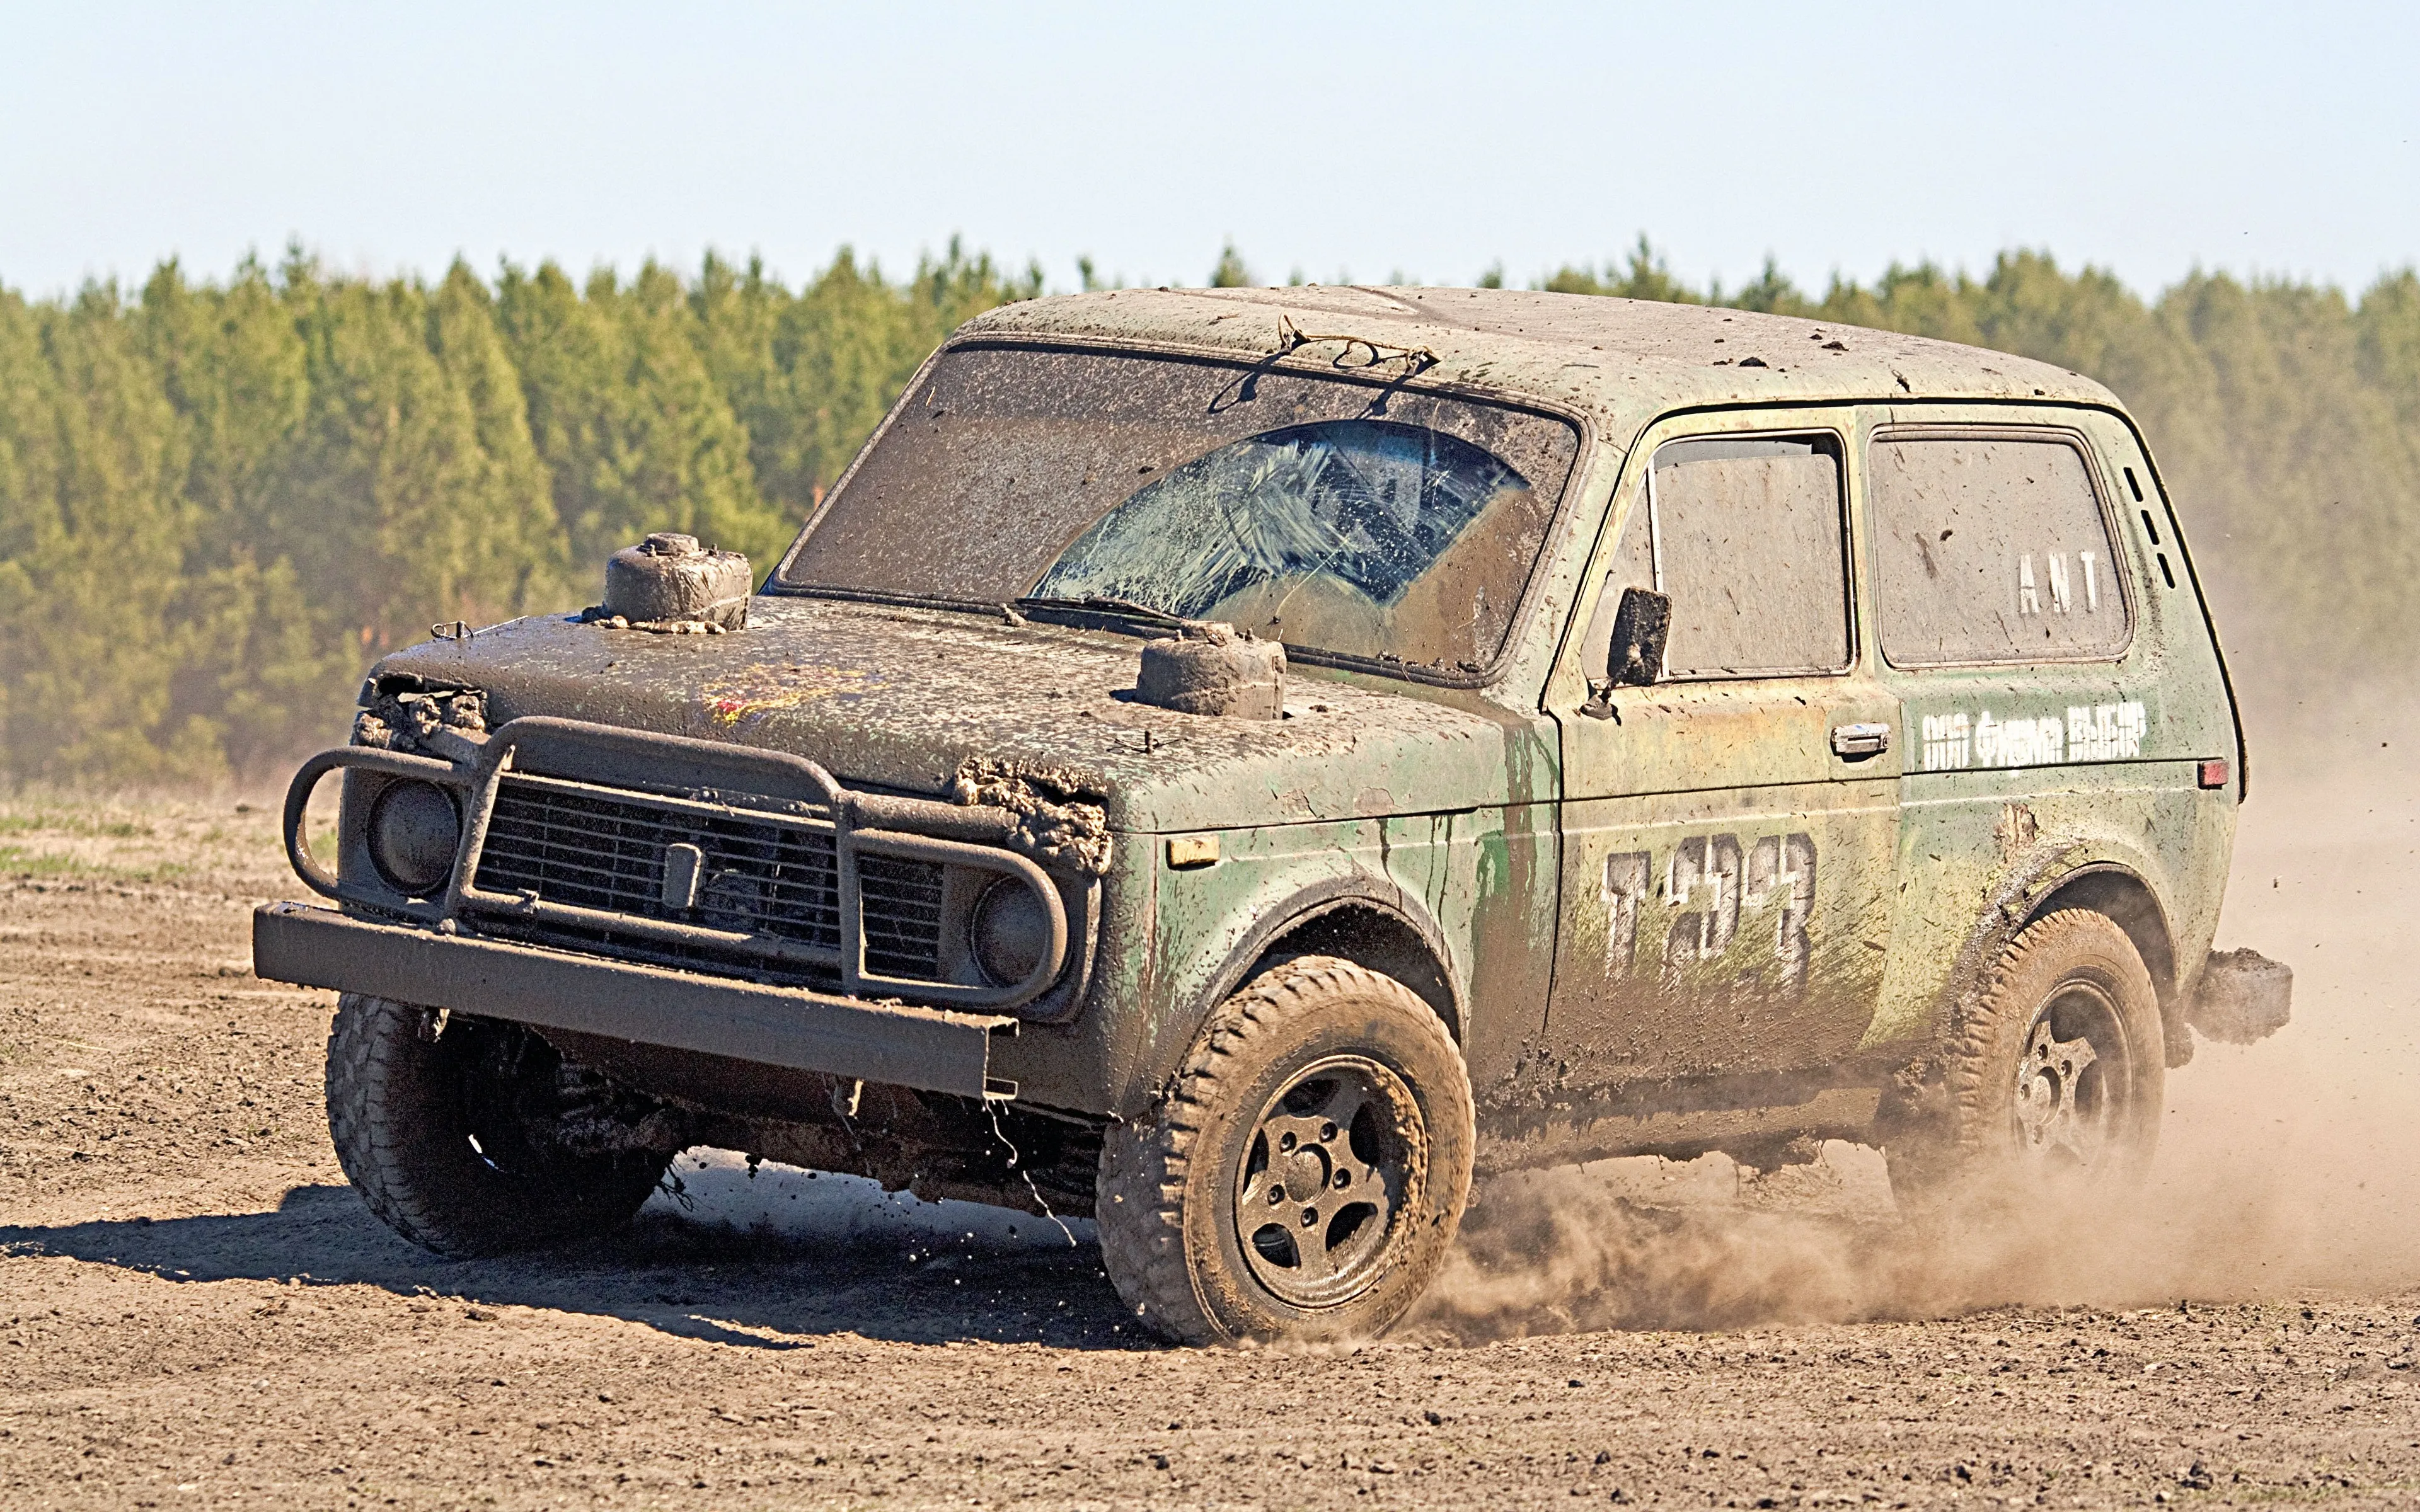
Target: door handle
1855	742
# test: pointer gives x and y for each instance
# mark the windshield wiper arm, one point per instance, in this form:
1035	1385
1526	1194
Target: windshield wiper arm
1124	608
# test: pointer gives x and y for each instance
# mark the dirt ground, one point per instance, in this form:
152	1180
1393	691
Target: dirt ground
195	1311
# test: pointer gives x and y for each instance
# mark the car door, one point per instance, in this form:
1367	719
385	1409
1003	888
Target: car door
1728	830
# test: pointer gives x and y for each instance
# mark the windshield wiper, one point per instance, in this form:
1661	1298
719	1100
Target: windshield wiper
1123	608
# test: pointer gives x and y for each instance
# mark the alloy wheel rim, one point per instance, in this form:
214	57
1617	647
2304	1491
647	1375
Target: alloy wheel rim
1324	1179
2072	1081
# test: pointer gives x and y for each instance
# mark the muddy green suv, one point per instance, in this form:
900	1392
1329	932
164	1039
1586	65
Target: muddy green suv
1242	763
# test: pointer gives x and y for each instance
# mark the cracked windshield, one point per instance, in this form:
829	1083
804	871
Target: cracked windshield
1342	514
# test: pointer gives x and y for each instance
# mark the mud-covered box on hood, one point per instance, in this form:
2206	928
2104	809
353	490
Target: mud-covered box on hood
1242	762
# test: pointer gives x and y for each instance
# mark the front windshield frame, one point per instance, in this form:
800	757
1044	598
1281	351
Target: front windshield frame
1386	376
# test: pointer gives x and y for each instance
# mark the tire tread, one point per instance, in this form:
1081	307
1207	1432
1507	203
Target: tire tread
1973	1053
1140	1208
379	1121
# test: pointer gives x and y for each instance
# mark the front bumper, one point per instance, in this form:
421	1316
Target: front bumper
904	1045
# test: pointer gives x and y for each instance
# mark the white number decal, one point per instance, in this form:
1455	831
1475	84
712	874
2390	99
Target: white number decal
1710	881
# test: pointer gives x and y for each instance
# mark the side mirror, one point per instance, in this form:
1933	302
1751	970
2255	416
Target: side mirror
1641	626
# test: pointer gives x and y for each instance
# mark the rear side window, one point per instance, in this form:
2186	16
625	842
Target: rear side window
1992	549
1746	536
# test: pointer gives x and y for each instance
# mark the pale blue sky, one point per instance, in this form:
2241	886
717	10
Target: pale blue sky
1432	140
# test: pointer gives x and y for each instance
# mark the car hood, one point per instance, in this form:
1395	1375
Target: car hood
900	697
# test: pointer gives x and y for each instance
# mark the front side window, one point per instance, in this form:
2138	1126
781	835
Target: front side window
1746	536
1339	515
1991	548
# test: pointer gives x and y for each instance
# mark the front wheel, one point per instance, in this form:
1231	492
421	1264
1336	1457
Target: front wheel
1306	1175
2055	1077
458	1133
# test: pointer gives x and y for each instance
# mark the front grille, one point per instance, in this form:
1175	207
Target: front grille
576	845
901	900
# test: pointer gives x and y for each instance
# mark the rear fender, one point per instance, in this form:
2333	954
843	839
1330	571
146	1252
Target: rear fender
2102	877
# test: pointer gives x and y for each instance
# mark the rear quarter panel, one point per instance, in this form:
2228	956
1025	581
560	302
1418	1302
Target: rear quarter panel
1986	833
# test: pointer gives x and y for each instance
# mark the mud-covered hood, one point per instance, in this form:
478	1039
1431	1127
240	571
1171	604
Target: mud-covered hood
898	698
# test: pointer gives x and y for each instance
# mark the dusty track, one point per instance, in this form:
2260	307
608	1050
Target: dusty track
195	1311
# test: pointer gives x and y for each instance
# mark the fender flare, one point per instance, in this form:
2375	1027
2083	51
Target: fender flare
1308	904
1334	895
2033	888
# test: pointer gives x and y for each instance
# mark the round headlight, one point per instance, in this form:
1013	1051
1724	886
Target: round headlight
413	833
1009	931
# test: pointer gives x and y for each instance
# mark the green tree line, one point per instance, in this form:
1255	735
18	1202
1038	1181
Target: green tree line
219	502
220	499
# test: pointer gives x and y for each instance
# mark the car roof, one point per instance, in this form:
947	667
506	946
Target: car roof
1626	360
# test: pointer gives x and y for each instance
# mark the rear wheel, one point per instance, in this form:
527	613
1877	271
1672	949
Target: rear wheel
460	1132
2056	1078
1307	1174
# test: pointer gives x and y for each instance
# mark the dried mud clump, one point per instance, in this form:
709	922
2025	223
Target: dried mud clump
669	584
415	721
1055	823
1214	669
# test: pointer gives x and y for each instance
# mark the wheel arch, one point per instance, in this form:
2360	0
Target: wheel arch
2120	893
2057	878
1360	919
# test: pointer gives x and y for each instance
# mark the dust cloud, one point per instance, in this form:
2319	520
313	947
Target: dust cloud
2287	1168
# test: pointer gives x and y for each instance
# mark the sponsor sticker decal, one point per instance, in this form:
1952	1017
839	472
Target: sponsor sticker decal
2088	733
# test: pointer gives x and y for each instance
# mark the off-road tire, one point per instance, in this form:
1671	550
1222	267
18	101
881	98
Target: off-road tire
1975	1152
402	1110
1171	1189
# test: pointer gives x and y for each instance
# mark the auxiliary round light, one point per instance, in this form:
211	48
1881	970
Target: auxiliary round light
413	831
1009	932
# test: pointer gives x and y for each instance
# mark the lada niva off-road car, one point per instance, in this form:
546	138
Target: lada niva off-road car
1241	763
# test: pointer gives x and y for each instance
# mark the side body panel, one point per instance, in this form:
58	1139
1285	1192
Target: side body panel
1726	873
2021	775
